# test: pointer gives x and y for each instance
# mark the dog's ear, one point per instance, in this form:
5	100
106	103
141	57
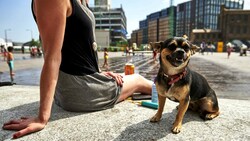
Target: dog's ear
156	46
194	49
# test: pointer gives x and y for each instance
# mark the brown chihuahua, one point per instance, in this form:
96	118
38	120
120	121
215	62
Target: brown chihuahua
176	81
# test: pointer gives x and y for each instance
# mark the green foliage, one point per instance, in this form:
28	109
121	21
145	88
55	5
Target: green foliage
98	48
109	49
122	43
141	48
114	49
35	43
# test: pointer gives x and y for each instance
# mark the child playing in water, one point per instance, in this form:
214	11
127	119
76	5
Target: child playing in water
106	56
10	62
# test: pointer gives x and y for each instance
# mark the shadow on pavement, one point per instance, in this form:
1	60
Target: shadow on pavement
146	130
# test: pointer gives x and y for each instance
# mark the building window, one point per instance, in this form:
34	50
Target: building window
231	30
246	18
214	35
245	30
238	29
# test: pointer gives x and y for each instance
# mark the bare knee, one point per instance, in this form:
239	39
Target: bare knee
135	83
143	85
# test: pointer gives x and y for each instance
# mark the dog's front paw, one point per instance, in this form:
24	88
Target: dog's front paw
155	118
176	129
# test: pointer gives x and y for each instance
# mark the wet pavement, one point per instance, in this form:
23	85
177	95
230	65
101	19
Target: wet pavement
27	70
228	82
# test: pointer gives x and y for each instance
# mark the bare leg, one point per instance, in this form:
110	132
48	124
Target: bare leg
134	83
11	76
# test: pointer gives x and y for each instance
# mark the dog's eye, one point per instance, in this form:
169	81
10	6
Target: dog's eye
172	47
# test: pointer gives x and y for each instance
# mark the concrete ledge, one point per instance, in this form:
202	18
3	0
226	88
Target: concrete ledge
126	121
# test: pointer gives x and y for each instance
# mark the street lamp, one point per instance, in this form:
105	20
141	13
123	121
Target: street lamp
6	37
31	33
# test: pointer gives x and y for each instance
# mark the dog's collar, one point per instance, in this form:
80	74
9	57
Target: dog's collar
176	77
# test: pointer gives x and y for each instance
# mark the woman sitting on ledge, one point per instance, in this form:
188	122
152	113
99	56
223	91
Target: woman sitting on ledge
70	74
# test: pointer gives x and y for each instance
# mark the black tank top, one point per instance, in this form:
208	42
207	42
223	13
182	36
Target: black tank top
79	56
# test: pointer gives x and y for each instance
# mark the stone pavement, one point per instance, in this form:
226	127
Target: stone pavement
235	62
228	77
127	121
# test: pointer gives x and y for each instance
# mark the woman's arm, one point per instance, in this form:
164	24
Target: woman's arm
51	20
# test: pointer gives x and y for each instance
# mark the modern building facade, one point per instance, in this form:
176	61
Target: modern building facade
234	25
199	20
201	14
134	37
183	19
110	19
206	35
103	4
206	12
158	26
103	38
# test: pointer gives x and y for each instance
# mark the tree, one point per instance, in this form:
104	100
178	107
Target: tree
36	43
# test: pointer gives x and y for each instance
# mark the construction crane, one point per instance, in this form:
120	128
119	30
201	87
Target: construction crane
171	19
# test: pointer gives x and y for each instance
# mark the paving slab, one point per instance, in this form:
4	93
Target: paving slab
125	122
235	61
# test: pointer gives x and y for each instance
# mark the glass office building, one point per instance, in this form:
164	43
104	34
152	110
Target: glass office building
193	14
156	27
206	11
114	20
183	19
201	14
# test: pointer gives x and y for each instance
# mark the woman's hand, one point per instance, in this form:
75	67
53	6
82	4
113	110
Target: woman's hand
24	126
117	77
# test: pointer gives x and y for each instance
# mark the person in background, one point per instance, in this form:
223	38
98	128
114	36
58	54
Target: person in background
229	49
127	50
210	48
130	51
22	49
106	56
203	47
10	62
70	74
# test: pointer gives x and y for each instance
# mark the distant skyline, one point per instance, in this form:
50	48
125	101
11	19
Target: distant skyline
16	15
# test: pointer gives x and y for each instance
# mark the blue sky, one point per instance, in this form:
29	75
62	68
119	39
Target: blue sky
16	15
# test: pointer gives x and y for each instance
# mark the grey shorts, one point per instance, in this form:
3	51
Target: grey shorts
86	93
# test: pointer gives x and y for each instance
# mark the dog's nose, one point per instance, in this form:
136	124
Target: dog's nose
180	51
